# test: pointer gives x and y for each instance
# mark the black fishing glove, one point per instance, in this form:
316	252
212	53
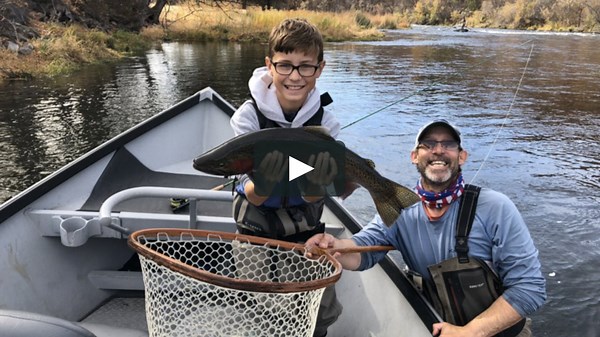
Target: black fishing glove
325	170
270	172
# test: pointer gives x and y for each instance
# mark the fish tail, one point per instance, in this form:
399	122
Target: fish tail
390	205
406	196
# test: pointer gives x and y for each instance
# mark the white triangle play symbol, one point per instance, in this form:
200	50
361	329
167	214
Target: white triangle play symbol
297	168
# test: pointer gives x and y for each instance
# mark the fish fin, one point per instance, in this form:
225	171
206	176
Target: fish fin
349	187
390	208
370	163
318	130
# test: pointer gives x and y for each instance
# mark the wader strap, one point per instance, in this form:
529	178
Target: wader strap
315	120
466	215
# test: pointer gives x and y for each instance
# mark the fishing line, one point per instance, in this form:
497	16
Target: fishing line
507	114
422	90
389	105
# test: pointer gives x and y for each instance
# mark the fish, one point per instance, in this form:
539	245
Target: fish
235	156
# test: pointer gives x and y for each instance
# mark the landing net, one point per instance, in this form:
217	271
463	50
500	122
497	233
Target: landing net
211	284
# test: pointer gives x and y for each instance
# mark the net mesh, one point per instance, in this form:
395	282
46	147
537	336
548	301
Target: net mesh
199	283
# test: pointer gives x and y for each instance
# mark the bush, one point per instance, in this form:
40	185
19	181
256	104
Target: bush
362	20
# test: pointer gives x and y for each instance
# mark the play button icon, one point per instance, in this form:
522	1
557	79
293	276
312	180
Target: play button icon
297	168
300	158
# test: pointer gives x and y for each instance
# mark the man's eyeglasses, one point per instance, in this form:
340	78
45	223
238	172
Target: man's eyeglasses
446	144
305	70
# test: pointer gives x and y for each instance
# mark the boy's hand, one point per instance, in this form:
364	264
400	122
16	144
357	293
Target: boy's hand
325	170
272	169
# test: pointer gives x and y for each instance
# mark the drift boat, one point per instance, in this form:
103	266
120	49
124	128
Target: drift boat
66	268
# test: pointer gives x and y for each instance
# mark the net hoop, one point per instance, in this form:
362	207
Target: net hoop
170	263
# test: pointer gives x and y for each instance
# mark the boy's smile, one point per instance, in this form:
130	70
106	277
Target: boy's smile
293	89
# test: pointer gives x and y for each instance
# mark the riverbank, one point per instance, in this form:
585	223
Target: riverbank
62	49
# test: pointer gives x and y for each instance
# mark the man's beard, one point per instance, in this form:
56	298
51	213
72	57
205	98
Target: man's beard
438	181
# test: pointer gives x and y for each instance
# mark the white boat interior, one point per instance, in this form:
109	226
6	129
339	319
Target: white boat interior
65	266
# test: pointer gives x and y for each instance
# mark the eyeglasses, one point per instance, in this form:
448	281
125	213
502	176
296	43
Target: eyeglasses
305	70
446	144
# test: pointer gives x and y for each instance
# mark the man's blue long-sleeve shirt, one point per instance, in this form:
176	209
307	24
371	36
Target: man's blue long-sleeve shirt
499	236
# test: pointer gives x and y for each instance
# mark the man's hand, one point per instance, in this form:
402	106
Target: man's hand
272	169
319	242
499	316
448	330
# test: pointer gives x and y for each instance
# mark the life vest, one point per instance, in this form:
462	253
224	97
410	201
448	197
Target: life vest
464	286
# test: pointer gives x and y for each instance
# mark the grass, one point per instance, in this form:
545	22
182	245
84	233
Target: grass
187	23
63	49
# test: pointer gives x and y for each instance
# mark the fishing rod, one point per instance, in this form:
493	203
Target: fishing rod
389	105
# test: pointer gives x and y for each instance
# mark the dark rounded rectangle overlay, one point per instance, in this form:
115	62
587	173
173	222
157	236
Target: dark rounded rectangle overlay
301	186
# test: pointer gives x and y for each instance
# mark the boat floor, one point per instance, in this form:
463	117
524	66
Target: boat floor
120	312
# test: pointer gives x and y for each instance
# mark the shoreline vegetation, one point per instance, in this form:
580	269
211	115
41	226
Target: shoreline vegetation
61	49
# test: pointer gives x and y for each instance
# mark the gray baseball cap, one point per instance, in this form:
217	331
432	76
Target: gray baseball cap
438	122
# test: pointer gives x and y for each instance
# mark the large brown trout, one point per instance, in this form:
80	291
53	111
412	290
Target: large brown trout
235	156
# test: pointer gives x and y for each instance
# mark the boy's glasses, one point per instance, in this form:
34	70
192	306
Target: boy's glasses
451	145
305	70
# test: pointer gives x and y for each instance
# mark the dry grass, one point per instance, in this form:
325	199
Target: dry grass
62	49
14	66
189	23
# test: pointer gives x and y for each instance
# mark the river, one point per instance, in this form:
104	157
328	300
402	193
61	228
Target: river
528	105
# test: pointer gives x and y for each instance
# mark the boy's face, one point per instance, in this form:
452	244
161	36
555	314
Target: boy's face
293	89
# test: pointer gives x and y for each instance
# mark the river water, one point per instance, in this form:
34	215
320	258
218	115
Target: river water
528	105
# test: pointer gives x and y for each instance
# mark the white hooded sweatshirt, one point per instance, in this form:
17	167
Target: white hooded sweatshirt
244	119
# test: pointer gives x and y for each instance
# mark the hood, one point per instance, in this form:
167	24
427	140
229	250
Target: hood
263	92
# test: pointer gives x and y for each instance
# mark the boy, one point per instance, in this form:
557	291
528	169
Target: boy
284	94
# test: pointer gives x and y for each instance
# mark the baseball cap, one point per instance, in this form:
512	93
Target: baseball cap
438	122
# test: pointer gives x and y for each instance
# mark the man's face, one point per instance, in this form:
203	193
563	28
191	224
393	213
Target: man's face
293	88
438	159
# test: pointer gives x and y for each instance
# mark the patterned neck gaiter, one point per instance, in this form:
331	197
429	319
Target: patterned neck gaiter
446	197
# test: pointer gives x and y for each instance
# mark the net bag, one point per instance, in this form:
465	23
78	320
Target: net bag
205	283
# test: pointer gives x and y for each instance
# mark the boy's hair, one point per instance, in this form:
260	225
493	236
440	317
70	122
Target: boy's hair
296	35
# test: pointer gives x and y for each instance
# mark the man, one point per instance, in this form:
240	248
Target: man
425	235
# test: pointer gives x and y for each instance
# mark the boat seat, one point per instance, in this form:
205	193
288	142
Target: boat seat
15	323
102	330
125	171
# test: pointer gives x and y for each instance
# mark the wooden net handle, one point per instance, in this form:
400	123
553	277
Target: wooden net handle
347	250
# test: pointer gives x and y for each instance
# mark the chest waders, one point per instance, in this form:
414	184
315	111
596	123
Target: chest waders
464	286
